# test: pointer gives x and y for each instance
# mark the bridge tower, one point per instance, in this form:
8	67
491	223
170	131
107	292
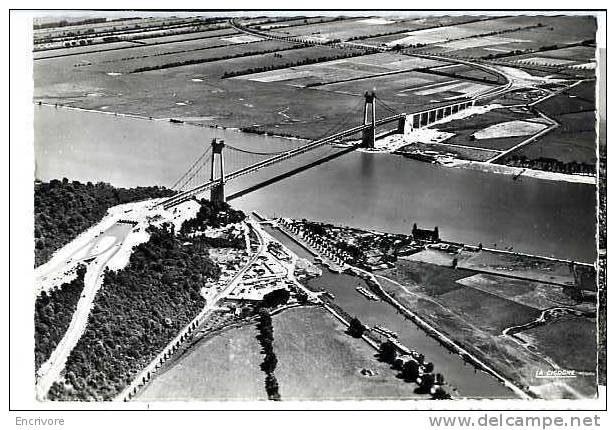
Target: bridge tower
218	190
368	135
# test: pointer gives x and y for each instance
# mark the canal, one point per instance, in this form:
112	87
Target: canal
462	376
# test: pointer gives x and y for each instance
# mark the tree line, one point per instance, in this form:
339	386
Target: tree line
266	338
212	59
550	165
300	62
415	370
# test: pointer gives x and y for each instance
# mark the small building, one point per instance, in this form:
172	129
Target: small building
425	235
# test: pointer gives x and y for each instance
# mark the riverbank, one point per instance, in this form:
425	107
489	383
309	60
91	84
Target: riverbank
177	120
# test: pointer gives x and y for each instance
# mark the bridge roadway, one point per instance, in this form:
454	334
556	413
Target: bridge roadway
187	195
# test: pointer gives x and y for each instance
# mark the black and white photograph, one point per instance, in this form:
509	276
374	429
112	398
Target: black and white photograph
307	206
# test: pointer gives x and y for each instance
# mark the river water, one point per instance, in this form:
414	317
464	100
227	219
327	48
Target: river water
371	191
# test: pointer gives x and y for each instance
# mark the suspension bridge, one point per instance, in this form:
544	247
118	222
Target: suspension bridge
202	175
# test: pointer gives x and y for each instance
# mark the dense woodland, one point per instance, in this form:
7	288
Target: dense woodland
212	214
64	209
136	313
53	312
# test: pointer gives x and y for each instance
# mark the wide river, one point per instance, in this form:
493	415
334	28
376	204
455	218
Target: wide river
373	191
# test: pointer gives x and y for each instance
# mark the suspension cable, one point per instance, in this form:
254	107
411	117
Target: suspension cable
245	151
386	106
175	184
337	126
197	171
190	174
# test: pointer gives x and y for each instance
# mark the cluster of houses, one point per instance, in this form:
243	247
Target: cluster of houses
323	246
365	249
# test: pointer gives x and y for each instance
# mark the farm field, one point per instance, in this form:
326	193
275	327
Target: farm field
434	280
227	49
168	28
273	23
190	78
432	256
560	30
574	53
414	87
470	73
331	361
454	151
533	294
224	367
491	313
479	308
579	57
342	70
473	33
515	265
197	91
139	36
575	139
563	146
122	50
364	27
510	129
497	129
558	337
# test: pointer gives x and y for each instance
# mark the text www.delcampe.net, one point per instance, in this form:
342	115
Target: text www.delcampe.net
517	421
